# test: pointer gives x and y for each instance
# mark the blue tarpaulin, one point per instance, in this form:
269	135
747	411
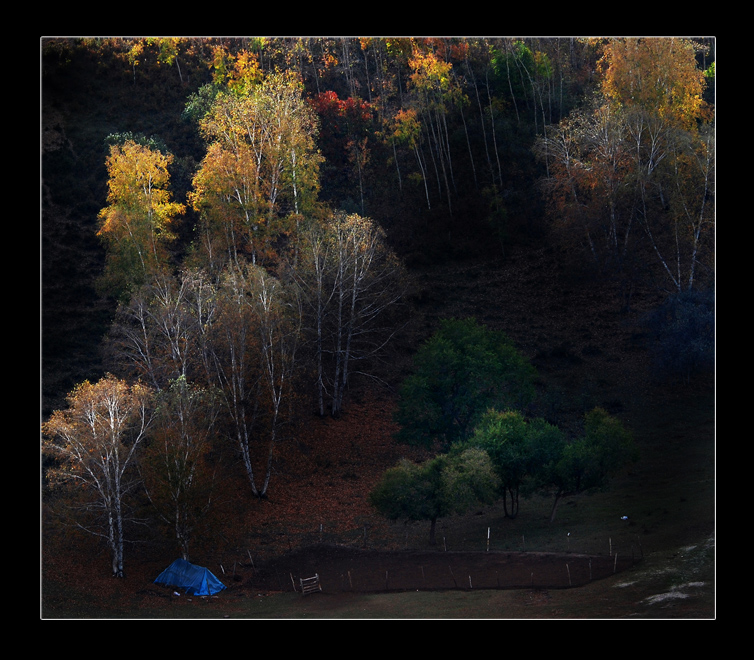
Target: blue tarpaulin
196	580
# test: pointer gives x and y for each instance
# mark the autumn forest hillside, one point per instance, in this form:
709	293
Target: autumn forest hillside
242	237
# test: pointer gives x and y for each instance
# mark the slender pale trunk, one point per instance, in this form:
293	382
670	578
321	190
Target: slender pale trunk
270	453
482	121
320	371
468	145
424	174
397	165
494	134
349	329
338	347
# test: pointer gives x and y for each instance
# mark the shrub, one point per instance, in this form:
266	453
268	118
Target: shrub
682	332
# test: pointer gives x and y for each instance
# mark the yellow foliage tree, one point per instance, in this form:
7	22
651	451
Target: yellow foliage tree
638	164
660	74
137	224
260	170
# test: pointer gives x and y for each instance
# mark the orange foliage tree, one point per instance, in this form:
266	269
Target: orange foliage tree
95	443
658	74
433	89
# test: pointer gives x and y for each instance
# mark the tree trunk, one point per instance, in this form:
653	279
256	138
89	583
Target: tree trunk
558	497
116	532
514	502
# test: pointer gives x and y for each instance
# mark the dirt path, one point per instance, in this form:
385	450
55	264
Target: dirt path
343	569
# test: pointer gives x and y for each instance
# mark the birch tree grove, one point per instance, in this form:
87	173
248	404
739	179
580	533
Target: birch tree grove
233	370
639	161
277	311
247	237
161	333
246	353
261	168
433	88
95	443
314	276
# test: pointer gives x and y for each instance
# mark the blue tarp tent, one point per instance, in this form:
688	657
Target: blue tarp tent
196	580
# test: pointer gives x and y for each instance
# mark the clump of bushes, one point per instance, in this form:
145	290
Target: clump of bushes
682	334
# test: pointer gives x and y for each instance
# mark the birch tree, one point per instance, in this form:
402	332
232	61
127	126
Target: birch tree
251	361
315	276
233	368
176	473
351	282
161	333
95	443
138	223
639	161
433	88
659	87
277	311
407	130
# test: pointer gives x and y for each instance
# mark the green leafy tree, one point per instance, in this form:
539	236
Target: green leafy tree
462	371
590	461
517	447
445	485
524	74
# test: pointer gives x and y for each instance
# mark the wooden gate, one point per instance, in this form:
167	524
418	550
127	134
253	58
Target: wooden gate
310	585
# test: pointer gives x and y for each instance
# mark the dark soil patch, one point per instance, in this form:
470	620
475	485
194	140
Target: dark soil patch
342	569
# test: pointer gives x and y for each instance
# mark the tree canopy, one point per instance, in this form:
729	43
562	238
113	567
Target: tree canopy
588	462
138	223
95	444
462	371
518	448
445	485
